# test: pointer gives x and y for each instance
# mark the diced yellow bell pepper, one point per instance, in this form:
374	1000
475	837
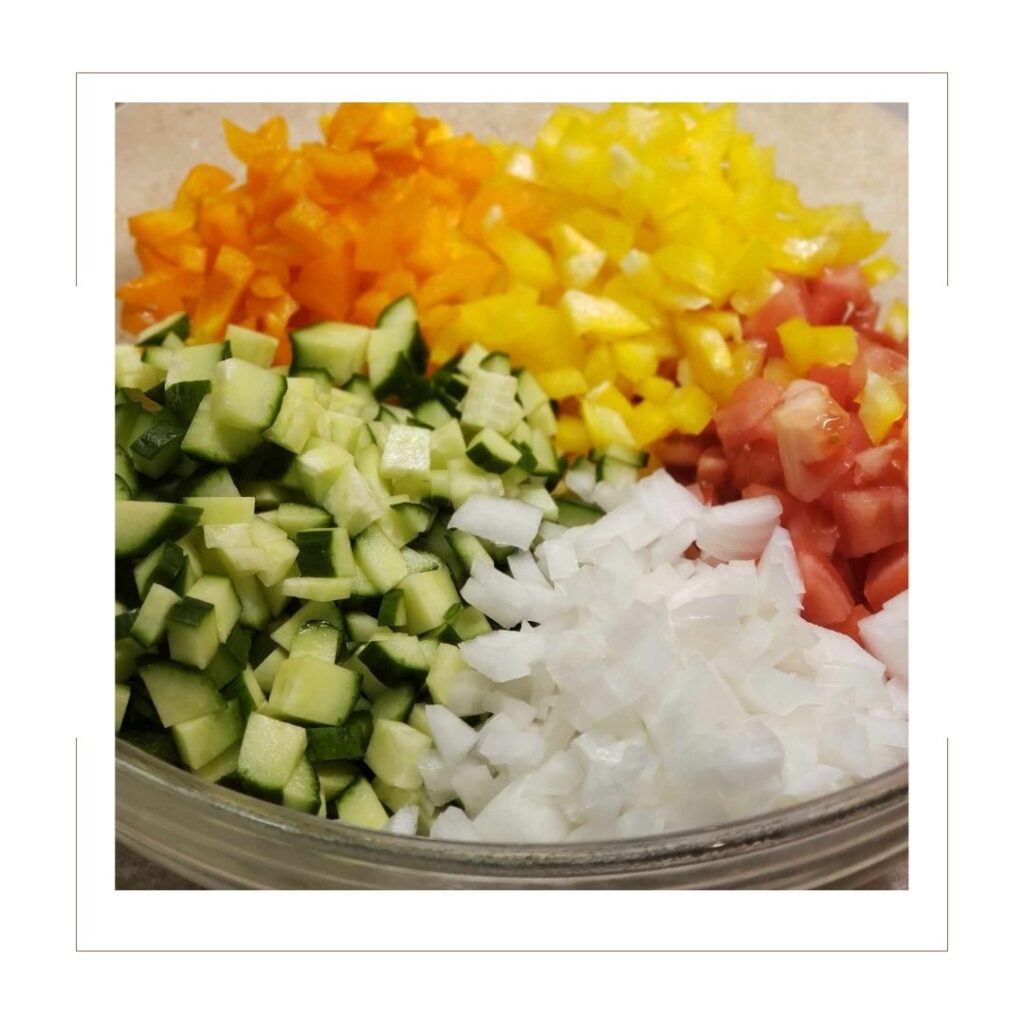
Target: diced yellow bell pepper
526	259
897	321
562	383
880	407
578	259
600	317
779	371
806	346
635	360
571	434
649	422
599	365
708	355
880	269
605	425
690	409
609	395
657	389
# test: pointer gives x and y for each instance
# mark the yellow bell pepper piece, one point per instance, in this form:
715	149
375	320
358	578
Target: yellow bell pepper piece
708	356
779	371
526	259
599	365
806	346
600	317
897	321
611	397
880	269
571	434
605	425
649	422
562	383
880	407
657	389
635	360
578	259
690	409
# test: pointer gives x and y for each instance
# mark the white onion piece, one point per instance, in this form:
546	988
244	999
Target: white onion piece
739	529
501	520
452	824
403	821
885	634
453	738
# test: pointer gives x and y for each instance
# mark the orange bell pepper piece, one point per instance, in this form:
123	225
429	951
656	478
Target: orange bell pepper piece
202	181
157	226
220	293
327	286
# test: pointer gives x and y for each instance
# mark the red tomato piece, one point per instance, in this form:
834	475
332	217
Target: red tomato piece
746	418
757	463
812	526
871	519
844	383
789	302
837	293
851	624
678	452
883	465
712	467
827	599
812	431
888	575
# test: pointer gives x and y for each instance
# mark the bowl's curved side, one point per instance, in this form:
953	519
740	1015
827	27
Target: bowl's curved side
222	839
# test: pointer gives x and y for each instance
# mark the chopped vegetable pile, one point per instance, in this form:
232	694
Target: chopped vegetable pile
508	493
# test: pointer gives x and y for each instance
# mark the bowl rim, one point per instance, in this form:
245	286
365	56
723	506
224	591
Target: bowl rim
863	800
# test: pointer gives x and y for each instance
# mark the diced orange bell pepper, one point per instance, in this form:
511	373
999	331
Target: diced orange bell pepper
202	181
221	291
327	286
157	226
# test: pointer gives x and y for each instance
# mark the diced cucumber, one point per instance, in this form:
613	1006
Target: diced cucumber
576	513
360	626
540	498
222	766
266	670
217	510
325	553
156	334
125	469
139	526
246	691
312	588
468	623
231	657
455	685
392	612
467	548
192	634
311	691
335	777
529	393
342	429
122	691
195	362
432	413
492	453
430	599
184	398
178	693
406	453
317	640
340	349
395	659
218	591
218	483
418	719
294	423
394	704
270	752
292	517
358	805
466	479
164	565
380	561
200	740
394	753
302	790
543	420
245	396
446	443
151	621
351	502
311	611
320	466
471	358
496	362
342	742
491	402
252	346
209	440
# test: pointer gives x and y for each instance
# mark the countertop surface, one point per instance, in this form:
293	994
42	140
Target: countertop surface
836	153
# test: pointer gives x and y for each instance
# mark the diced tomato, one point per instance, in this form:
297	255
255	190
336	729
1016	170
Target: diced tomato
812	430
844	383
888	575
746	419
791	301
851	624
757	463
871	519
864	317
789	503
827	598
835	294
884	465
713	467
677	452
812	525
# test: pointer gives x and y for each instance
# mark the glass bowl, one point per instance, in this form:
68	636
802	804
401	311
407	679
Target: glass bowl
221	839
